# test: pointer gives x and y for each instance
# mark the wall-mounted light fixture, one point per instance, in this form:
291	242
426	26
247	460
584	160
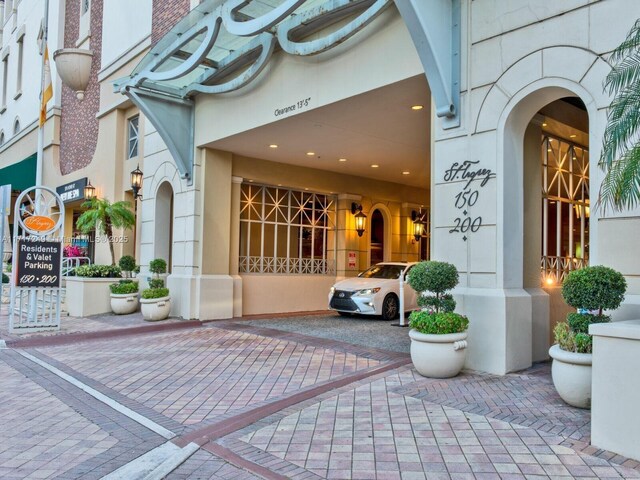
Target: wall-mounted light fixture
89	191
418	224
361	218
136	182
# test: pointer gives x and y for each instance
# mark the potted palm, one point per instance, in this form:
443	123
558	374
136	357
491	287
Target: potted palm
103	216
438	334
155	301
590	290
124	297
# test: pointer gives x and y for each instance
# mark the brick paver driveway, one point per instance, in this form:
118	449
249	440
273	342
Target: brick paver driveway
299	398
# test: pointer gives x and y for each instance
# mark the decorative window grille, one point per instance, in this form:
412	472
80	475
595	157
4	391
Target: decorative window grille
133	136
565	208
286	231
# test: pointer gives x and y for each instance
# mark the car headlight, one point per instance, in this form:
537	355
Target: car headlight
368	291
332	289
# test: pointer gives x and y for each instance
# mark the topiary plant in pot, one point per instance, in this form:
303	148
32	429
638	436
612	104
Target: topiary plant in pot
128	265
155	301
124	297
438	334
590	290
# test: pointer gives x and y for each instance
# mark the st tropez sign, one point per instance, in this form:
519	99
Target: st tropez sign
70	192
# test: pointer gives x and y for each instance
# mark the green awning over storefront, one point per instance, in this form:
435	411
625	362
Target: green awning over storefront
21	175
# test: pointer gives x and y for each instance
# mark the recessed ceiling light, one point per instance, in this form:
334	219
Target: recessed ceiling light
406	173
342	159
417	107
273	145
375	165
573	135
549	150
311	153
250	181
544	124
306	188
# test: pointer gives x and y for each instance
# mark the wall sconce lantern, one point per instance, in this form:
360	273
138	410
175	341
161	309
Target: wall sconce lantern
418	224
136	182
361	218
89	191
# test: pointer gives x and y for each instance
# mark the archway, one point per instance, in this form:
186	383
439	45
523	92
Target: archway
377	244
544	187
163	240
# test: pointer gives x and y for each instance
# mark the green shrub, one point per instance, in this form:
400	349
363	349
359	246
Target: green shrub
127	263
435	277
5	278
156	283
594	288
564	337
438	323
122	288
579	322
158	266
583	343
150	293
98	271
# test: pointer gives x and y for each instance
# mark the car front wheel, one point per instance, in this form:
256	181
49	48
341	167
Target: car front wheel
390	307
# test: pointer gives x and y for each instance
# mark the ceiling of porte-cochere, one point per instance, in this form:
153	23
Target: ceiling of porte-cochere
378	127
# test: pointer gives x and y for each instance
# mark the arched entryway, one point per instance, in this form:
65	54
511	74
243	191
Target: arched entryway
377	237
546	186
163	241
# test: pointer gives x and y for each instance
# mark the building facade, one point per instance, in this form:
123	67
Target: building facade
262	130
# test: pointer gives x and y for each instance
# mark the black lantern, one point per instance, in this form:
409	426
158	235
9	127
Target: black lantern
89	191
361	218
418	224
136	182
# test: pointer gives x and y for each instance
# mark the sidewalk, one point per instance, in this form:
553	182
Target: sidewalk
267	403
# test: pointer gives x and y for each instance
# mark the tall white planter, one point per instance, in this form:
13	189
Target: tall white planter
571	374
88	296
438	356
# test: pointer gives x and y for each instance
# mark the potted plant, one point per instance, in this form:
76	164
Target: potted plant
156	303
590	290
124	297
438	334
128	265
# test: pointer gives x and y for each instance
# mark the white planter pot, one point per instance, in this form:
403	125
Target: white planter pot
438	356
122	304
571	374
155	308
88	296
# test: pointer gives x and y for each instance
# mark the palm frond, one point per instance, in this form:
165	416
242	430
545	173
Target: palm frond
625	72
630	44
623	122
621	185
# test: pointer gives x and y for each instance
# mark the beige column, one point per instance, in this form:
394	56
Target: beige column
234	250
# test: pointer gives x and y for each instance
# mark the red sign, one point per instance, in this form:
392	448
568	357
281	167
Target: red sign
352	260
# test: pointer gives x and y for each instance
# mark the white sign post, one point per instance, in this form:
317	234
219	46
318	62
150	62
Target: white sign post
37	261
5	243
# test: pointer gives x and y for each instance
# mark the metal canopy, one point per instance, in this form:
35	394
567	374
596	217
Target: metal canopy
221	46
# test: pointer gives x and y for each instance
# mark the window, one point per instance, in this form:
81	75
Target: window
85	7
565	208
1	138
286	231
5	79
132	136
16	126
20	55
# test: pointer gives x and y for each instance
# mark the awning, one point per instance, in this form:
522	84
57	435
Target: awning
21	175
222	45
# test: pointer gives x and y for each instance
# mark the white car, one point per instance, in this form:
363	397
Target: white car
375	291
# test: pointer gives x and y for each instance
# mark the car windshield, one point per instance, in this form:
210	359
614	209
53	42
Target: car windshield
383	271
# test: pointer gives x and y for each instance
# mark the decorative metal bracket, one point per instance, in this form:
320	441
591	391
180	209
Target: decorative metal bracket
174	120
434	26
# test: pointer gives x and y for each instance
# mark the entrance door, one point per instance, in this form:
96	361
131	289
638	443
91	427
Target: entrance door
377	237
